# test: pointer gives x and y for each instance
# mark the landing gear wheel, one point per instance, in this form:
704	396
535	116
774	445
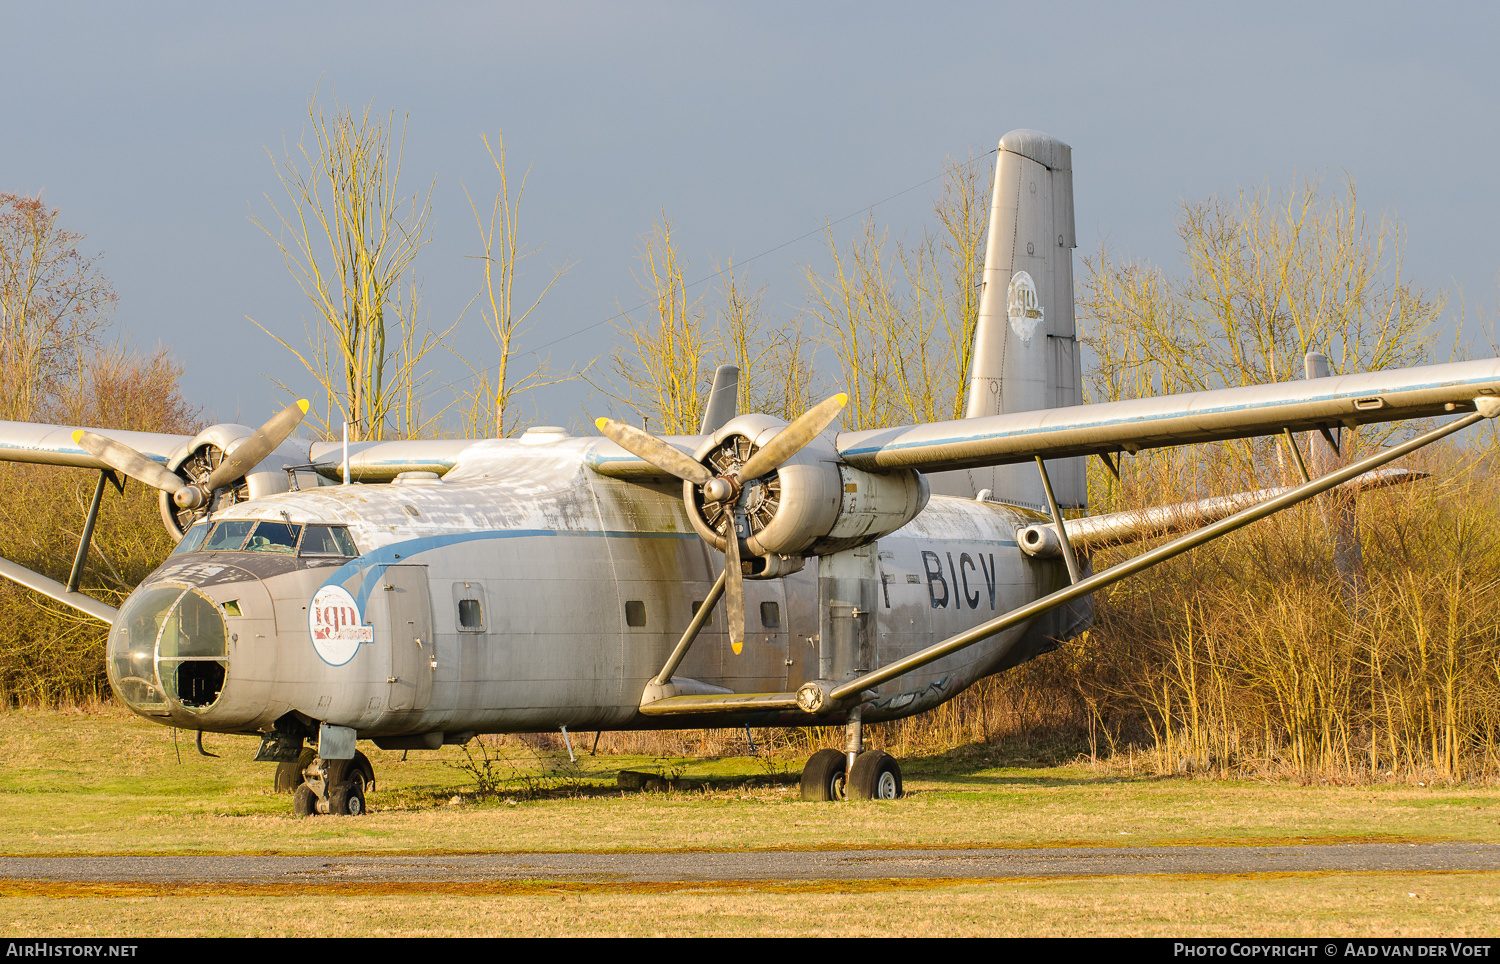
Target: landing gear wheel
348	799
823	777
875	776
361	764
304	801
289	774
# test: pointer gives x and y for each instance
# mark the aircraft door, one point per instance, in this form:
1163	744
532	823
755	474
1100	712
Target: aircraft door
762	664
409	623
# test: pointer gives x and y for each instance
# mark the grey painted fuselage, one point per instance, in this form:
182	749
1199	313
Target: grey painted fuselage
584	585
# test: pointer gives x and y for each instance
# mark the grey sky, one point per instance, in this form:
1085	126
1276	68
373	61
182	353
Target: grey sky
749	125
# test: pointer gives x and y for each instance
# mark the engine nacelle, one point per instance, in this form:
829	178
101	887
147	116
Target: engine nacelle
811	506
194	461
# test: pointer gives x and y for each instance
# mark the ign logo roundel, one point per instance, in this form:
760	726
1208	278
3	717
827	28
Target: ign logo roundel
333	619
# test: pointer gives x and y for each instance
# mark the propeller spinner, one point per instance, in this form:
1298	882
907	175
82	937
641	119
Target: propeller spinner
191	495
728	490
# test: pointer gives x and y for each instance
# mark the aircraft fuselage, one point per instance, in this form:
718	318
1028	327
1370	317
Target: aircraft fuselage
524	592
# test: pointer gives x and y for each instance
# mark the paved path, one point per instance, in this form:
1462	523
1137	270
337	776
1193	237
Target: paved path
802	865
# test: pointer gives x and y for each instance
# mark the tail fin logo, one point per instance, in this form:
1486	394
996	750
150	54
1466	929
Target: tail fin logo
1021	305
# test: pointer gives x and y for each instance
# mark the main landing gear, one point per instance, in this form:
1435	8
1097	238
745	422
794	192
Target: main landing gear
327	786
854	774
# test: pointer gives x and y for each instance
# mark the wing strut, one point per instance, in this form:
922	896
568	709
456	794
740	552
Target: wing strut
700	619
16	572
821	697
69	594
105	475
1057	520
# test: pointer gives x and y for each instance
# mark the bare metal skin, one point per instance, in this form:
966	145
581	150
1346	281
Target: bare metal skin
546	582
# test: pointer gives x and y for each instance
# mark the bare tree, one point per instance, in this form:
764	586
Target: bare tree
665	363
900	319
489	405
670	359
774	358
54	307
1268	278
350	236
56	364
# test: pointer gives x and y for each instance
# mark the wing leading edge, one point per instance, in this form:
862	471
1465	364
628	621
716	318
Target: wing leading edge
1165	420
53	444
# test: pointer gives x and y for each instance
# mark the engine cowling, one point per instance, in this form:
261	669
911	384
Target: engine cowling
193	463
811	505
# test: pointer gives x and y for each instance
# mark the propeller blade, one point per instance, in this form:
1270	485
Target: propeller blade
123	458
734	588
790	440
653	450
250	452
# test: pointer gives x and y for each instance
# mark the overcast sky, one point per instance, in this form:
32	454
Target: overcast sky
749	125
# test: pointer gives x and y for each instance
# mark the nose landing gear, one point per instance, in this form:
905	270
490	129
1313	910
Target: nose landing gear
332	786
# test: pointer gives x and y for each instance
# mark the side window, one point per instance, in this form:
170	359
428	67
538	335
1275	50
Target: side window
192	539
468	606
635	613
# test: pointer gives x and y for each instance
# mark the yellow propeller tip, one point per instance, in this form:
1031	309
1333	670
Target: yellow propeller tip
304	404
600	422
843	398
78	436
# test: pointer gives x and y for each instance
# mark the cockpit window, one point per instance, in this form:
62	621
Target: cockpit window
328	541
273	537
227	536
192	539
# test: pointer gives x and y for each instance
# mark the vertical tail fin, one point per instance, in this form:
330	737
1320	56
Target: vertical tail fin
1025	346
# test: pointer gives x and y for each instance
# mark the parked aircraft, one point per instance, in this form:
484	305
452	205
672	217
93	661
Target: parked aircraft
416	593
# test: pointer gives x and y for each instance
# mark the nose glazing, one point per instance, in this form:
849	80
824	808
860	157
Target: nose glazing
168	649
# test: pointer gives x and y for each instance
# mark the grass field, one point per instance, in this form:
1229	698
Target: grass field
103	782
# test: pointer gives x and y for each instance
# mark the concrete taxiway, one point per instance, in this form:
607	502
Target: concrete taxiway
778	865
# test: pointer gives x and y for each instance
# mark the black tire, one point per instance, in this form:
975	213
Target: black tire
289	774
304	801
340	771
362	764
348	799
875	776
823	777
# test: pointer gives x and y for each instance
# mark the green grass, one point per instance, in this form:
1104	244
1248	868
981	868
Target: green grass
104	782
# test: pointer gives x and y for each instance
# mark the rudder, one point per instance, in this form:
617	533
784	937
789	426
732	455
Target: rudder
1025	354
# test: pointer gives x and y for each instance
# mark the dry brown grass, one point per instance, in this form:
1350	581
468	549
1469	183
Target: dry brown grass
1289	905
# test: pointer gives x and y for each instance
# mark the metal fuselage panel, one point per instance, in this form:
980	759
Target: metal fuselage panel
553	596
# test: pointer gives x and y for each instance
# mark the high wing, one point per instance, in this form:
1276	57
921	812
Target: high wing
1110	427
1129	426
40	444
54	445
193	471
